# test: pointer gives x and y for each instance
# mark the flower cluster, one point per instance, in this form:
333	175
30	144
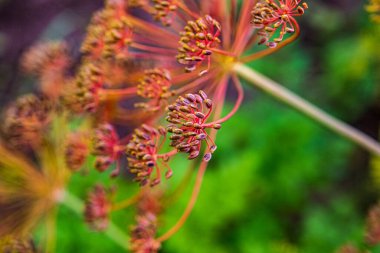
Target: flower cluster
97	208
106	148
188	116
109	33
144	232
76	151
272	15
142	151
25	121
162	10
155	85
197	42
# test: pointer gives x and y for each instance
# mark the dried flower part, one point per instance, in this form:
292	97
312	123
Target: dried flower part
109	33
26	120
82	95
155	85
188	116
197	41
76	151
45	56
276	15
372	236
162	10
142	154
9	244
97	208
373	8
105	147
348	249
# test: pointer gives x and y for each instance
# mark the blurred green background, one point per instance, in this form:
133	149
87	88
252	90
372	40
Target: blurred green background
279	182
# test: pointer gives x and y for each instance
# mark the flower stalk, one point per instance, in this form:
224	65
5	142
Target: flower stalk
293	100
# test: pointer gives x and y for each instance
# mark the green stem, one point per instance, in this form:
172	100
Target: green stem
113	232
286	96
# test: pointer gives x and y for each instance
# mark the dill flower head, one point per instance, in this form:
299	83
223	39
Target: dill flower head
46	56
106	148
144	232
142	152
272	15
155	86
97	208
189	116
26	120
197	41
77	150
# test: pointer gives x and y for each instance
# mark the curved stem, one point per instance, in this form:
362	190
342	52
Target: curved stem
190	205
126	203
286	96
113	232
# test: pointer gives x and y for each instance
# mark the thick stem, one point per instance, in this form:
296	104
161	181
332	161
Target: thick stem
112	232
286	96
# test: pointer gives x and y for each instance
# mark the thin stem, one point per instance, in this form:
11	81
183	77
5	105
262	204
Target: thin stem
51	231
286	96
190	205
112	232
126	203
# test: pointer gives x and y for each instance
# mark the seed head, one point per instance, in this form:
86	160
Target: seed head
348	249
197	41
272	15
142	153
188	116
97	208
105	147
